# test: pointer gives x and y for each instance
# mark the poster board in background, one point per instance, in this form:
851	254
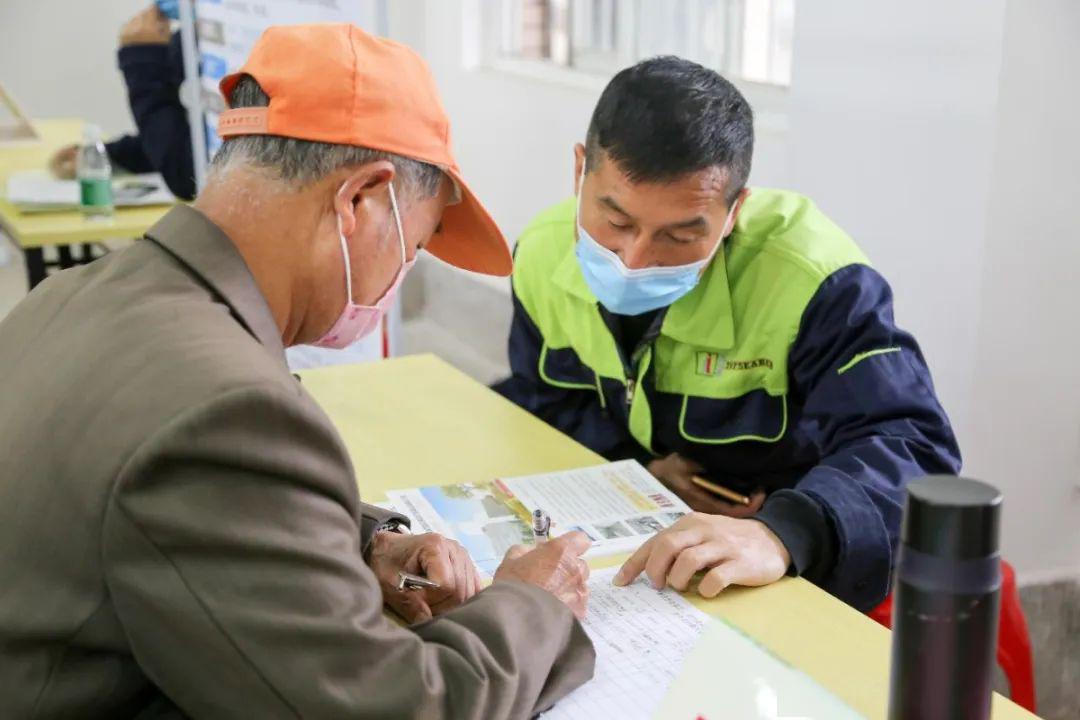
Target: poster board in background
226	31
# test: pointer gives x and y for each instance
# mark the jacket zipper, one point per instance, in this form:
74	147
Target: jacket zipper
630	368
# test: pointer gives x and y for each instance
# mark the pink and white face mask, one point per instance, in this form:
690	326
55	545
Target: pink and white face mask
356	321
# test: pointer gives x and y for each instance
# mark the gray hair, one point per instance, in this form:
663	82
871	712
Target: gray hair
301	162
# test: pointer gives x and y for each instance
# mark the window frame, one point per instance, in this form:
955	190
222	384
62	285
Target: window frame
770	101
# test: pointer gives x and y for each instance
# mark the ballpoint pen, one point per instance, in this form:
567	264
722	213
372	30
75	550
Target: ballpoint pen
541	526
408	581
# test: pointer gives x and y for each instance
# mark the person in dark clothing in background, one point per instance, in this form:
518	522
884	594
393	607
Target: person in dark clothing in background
153	67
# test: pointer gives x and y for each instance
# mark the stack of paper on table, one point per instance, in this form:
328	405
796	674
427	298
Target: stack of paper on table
38	191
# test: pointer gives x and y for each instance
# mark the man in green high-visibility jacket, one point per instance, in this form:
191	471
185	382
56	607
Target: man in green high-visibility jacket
670	314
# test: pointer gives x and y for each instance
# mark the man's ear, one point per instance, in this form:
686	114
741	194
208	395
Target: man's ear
358	189
579	163
740	200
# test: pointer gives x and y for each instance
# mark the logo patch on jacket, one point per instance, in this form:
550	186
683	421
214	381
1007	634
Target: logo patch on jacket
748	364
709	363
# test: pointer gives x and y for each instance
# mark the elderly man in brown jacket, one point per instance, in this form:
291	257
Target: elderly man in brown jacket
180	528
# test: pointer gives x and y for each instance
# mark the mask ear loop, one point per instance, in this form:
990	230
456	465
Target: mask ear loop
397	221
345	254
729	224
580	189
608	255
345	245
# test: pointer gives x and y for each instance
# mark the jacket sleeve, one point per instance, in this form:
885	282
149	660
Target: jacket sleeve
153	74
372	518
866	390
576	412
231	547
126	153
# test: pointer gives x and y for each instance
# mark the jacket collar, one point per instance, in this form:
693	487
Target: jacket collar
210	254
702	318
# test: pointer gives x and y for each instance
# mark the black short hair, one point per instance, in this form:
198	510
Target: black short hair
666	116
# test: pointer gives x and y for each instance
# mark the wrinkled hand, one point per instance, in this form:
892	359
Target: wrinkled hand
555	566
147	27
435	557
62	163
733	552
675	471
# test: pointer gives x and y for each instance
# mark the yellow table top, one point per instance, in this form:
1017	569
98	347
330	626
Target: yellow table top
417	421
62	228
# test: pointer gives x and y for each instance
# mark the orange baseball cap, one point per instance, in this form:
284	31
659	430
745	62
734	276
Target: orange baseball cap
335	83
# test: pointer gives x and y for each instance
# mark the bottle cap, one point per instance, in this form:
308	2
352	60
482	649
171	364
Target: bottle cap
952	517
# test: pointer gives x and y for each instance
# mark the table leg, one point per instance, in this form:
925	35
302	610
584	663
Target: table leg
35	266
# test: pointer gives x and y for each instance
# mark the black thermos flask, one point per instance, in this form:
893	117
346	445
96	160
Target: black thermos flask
945	601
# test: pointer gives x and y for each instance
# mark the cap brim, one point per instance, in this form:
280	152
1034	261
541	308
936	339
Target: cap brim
469	239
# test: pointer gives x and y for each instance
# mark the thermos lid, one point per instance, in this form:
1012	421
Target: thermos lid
952	517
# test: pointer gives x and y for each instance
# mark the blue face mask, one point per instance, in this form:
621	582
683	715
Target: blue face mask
169	8
632	292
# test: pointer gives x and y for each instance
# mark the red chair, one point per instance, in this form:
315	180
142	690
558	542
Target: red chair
1014	645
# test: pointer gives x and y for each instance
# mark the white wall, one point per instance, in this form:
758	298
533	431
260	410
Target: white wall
1026	402
892	120
58	58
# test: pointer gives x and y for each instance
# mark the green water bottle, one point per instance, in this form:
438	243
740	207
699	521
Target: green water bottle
95	174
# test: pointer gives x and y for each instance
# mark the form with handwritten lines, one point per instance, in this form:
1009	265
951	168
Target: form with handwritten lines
658	656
